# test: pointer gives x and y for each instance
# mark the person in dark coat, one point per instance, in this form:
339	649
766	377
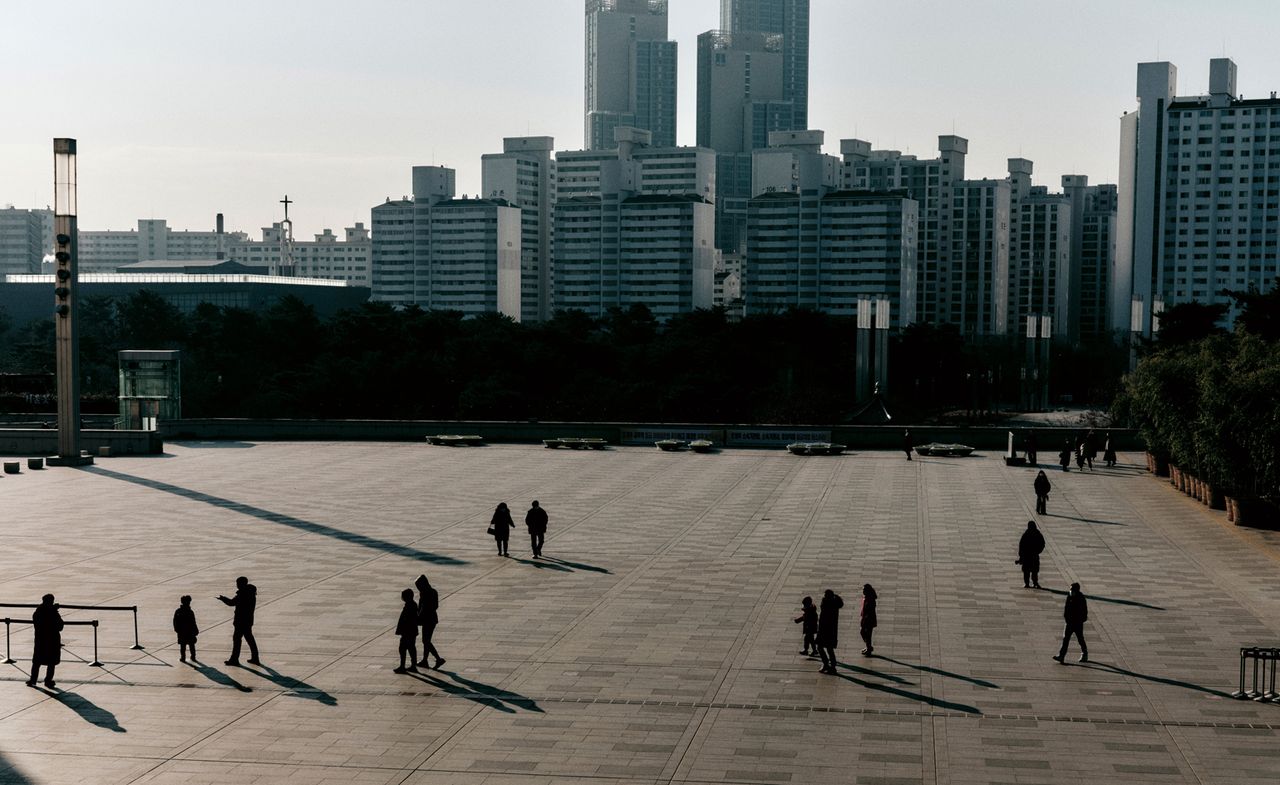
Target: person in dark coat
1090	448
1031	448
501	524
867	621
245	602
407	629
184	624
809	618
48	641
1042	487
1108	452
428	605
1029	549
907	443
829	630
1064	457
1076	613
536	520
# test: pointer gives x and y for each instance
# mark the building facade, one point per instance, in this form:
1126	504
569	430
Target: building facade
23	244
524	174
630	71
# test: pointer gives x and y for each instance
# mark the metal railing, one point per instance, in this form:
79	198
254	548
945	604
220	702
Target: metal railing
1259	657
8	655
63	606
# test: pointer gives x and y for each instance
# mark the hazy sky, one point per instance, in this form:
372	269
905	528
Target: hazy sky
185	109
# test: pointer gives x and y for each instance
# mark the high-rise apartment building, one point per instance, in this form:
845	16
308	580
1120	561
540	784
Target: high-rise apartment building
630	71
1093	246
812	244
391	267
22	241
1199	197
524	174
790	20
635	226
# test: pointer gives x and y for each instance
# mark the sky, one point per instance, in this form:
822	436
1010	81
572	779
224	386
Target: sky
183	110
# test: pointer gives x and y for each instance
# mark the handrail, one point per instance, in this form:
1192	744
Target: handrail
132	608
8	656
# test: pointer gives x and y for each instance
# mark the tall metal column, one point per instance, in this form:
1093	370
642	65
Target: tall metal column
1046	347
67	334
882	345
862	381
1030	370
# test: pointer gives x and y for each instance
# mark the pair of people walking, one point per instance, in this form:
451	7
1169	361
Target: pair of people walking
1076	610
822	625
413	615
535	520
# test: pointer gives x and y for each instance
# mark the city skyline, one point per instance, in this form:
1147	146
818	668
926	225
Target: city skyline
185	118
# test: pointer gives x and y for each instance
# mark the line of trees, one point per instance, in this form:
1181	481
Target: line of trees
378	362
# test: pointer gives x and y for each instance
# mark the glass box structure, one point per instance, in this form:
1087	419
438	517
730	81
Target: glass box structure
150	388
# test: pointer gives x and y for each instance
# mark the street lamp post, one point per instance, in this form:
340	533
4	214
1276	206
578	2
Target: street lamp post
66	331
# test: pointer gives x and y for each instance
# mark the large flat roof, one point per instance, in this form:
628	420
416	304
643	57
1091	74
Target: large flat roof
655	644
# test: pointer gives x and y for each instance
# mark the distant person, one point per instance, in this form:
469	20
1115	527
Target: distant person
184	624
1080	454
1029	549
500	527
1031	448
908	444
48	641
1109	452
1090	447
867	622
809	618
536	520
1064	457
407	629
1076	613
245	601
829	630
428	605
1042	487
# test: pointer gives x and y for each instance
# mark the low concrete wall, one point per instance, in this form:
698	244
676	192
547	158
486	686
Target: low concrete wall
37	442
991	439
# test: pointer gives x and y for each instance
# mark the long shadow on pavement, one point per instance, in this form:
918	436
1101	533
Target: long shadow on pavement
218	677
88	710
484	694
275	517
9	774
1109	668
939	672
915	696
1111	600
869	672
573	565
1084	520
296	687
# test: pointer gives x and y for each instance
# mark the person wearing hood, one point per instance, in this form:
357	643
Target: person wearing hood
1029	549
245	602
829	630
500	527
1042	488
48	641
428	605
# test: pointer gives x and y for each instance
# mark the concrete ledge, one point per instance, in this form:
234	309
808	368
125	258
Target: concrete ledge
23	441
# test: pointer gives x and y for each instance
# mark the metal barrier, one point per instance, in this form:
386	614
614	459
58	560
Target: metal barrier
1259	656
8	656
131	608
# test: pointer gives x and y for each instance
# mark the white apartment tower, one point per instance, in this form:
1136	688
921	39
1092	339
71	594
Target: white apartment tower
524	174
630	71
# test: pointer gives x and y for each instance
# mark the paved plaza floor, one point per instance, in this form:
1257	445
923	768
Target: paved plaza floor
654	645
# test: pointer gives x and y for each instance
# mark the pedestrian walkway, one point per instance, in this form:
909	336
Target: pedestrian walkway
654	641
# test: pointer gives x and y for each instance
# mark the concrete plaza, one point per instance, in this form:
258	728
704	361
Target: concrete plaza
655	645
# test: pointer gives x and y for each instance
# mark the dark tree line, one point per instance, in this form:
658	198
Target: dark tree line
380	363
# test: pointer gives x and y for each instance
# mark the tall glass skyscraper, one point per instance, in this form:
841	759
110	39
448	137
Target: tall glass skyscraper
790	19
630	71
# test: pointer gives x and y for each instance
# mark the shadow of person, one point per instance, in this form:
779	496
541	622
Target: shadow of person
479	692
868	672
1109	668
529	704
915	696
1084	520
295	687
573	565
1112	600
542	564
218	677
939	672
453	689
88	710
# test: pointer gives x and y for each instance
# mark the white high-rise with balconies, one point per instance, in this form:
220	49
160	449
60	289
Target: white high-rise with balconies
630	71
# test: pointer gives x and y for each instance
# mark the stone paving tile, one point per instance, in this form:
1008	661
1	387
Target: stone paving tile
656	646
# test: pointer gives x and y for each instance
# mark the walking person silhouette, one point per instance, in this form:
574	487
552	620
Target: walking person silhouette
245	602
1076	613
184	624
829	630
1030	546
428	605
407	629
536	520
868	621
500	527
48	641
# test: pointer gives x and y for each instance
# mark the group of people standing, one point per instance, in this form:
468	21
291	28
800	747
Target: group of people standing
1083	448
822	626
535	520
